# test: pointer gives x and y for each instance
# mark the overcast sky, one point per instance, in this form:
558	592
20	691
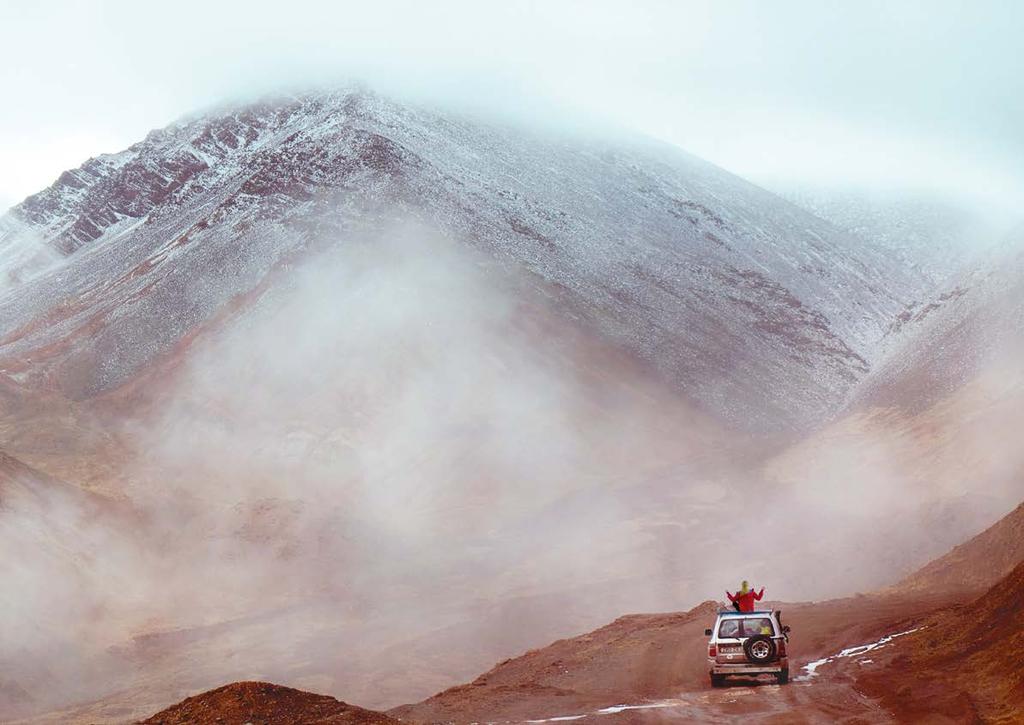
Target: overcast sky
908	95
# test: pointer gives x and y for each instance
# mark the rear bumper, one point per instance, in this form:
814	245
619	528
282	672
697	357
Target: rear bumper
716	668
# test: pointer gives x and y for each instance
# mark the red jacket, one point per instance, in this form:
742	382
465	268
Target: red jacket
746	601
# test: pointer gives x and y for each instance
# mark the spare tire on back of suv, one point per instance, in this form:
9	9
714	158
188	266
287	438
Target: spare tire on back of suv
760	649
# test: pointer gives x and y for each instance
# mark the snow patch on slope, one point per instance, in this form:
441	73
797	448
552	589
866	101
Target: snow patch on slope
811	668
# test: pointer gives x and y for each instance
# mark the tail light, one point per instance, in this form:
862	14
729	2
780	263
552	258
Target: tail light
782	648
712	650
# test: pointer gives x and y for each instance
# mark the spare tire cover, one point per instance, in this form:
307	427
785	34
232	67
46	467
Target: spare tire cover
760	649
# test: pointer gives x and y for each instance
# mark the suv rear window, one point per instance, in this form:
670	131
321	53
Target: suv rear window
736	627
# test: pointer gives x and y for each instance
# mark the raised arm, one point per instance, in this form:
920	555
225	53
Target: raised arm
731	597
759	594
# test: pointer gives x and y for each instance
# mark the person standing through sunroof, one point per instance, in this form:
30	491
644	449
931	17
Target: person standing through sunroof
743	600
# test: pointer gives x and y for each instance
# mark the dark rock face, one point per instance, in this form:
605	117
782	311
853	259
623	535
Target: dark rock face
761	313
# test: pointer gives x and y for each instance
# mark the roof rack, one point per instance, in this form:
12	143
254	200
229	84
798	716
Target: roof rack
746	614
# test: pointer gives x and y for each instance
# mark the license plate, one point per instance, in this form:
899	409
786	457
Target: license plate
730	649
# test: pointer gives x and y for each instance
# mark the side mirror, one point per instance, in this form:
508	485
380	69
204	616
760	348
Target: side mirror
707	632
785	629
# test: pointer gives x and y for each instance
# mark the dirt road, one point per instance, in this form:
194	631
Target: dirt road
822	692
799	702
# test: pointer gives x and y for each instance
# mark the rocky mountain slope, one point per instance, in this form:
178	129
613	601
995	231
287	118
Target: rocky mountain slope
960	663
978	563
759	311
974	330
939	237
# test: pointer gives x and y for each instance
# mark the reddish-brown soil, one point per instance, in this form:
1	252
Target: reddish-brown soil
633	657
661	658
964	663
261	703
976	564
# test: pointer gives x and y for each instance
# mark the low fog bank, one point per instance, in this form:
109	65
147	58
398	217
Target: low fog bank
940	236
23	254
402	464
398	439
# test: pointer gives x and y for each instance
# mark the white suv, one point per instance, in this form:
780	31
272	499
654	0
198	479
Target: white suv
748	643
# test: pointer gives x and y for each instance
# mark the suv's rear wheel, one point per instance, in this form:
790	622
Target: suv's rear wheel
784	676
717	680
760	649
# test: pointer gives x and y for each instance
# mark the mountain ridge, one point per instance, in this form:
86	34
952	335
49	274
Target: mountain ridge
641	241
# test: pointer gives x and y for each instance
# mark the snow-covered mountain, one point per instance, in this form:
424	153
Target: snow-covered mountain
930	436
973	329
759	311
939	238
